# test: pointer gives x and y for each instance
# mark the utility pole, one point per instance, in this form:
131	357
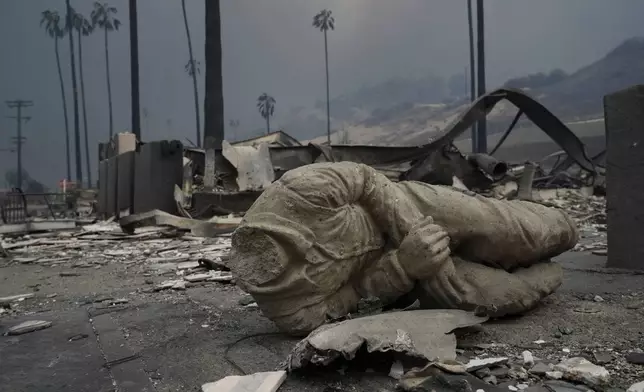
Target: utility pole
19	140
134	70
480	35
134	85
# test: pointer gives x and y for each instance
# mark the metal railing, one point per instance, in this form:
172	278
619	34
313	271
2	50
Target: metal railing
17	206
13	207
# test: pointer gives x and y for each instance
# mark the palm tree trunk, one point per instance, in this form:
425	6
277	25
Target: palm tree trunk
109	85
82	83
214	97
480	36
268	125
472	75
194	73
62	91
328	111
77	141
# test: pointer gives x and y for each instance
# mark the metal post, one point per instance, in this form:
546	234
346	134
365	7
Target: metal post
480	34
134	85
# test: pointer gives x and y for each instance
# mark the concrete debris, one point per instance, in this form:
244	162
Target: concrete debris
582	370
528	359
476	364
603	357
253	164
421	334
196	227
28	326
637	387
431	379
210	276
454	367
554	375
540	368
258	382
155	250
15	298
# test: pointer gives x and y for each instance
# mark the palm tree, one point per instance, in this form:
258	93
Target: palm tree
234	124
103	17
324	21
84	28
266	107
470	31
193	69
77	149
51	21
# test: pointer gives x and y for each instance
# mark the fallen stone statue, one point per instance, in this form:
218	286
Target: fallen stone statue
326	235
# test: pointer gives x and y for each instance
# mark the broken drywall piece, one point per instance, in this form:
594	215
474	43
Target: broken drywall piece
476	364
258	382
254	165
28	326
421	333
582	370
15	298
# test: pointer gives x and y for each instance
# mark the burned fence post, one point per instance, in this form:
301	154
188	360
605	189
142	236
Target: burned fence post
624	116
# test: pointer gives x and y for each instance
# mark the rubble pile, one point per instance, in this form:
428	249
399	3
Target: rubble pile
154	250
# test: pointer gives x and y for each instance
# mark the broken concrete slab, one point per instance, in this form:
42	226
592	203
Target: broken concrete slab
28	326
582	370
421	334
540	368
258	382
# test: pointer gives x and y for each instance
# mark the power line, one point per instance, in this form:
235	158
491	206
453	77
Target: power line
19	140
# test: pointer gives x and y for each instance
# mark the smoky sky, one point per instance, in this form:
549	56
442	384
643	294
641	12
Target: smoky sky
270	46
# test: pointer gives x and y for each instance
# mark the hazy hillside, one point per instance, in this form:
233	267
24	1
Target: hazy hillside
370	104
574	97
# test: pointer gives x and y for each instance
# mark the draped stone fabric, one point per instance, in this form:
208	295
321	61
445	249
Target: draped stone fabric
326	235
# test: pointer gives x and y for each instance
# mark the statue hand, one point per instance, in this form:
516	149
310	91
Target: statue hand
424	250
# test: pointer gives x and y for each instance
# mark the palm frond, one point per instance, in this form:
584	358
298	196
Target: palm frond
324	21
